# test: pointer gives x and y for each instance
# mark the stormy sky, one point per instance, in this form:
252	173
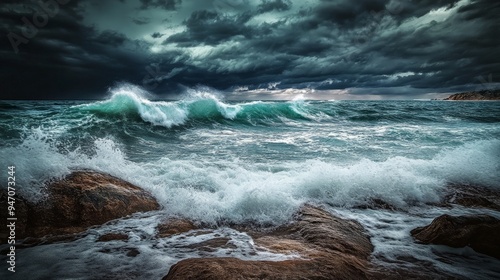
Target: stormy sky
249	49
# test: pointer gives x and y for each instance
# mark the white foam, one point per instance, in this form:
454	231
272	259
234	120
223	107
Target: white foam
86	258
210	190
127	97
195	104
394	247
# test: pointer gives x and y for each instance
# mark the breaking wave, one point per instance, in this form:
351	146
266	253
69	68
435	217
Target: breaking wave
210	191
196	107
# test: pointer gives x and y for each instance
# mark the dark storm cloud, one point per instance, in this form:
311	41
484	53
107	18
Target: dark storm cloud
208	27
65	59
164	4
111	38
311	49
157	35
346	13
271	5
385	47
416	8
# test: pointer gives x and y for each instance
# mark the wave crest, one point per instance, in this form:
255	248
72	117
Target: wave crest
198	106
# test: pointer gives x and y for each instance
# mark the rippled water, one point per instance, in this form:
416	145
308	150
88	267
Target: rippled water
212	160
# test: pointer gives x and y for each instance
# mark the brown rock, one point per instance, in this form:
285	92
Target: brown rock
480	232
21	209
132	252
332	248
112	236
174	226
476	95
473	196
49	239
232	268
213	244
322	229
83	199
376	203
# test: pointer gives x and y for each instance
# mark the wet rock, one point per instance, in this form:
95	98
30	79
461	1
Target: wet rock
213	244
377	203
419	269
174	226
132	252
112	236
233	268
480	232
81	200
129	252
49	239
21	210
331	248
473	196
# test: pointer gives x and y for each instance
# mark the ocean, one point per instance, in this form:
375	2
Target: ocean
253	162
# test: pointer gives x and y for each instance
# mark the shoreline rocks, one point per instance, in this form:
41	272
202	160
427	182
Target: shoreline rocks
324	246
329	247
472	196
333	248
112	237
174	226
476	95
81	200
480	232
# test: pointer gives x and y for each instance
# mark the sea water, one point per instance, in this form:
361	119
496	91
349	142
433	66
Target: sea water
215	161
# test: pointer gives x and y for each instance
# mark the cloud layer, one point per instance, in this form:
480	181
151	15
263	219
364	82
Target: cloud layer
250	48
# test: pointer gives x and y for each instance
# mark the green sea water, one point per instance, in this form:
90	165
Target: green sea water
215	161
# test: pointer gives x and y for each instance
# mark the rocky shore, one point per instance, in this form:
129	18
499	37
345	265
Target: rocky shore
324	246
476	95
77	202
329	247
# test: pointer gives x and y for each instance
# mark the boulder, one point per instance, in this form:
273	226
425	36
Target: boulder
329	247
480	232
81	200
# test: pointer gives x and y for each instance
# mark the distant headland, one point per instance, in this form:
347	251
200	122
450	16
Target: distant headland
476	95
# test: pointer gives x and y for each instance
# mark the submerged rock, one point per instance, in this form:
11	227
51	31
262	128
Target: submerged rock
480	232
329	247
174	226
377	203
80	200
112	237
213	244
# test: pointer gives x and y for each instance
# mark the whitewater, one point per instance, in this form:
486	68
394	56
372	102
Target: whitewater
215	162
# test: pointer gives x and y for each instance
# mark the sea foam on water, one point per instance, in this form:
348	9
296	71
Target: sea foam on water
209	190
217	162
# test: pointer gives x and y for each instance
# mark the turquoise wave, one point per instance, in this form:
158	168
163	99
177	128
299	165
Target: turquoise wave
200	108
206	108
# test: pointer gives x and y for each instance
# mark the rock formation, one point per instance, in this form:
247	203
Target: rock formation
78	201
329	247
174	226
480	232
472	196
476	95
